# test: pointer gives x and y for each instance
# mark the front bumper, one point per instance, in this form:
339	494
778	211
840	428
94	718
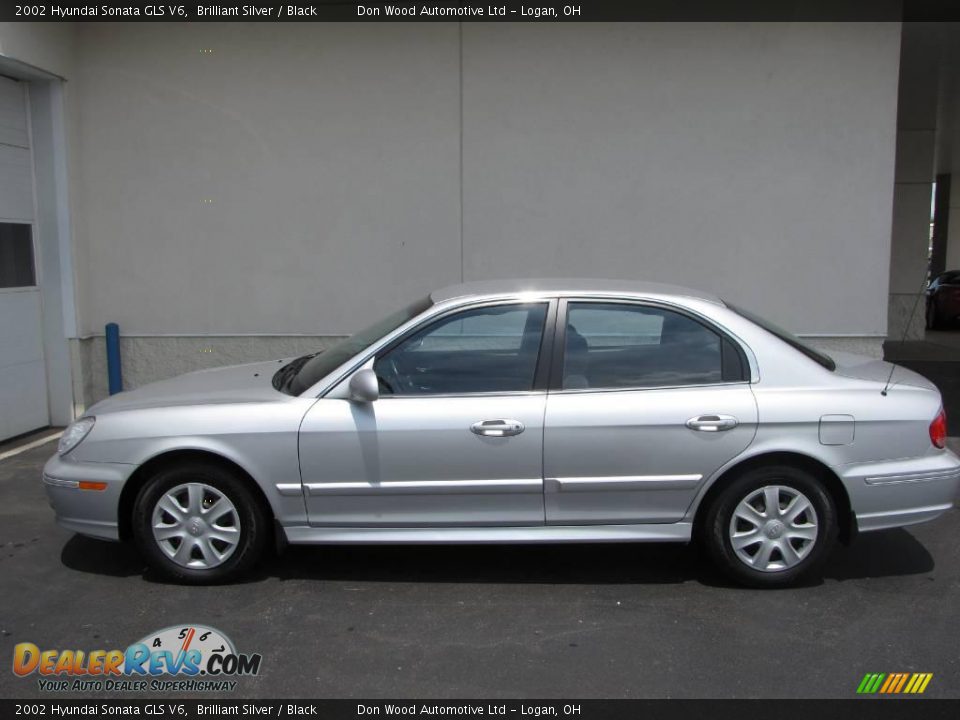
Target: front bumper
902	492
88	512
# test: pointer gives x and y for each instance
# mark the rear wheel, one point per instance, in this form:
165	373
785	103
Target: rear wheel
771	527
199	524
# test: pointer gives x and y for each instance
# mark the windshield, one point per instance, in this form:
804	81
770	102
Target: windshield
789	338
315	367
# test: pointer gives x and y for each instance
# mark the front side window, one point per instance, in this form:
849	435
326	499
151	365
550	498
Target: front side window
610	345
484	350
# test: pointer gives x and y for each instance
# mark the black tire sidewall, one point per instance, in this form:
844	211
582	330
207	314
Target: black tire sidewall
717	534
253	524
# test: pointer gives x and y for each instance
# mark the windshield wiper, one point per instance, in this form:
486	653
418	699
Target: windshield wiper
284	376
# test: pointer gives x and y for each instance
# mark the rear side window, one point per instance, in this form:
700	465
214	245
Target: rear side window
792	340
613	345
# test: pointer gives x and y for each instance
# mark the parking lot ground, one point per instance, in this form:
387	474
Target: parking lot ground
575	621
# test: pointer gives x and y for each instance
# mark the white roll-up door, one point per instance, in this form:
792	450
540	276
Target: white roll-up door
23	383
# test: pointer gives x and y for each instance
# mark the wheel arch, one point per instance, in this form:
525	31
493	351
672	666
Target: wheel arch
831	481
170	458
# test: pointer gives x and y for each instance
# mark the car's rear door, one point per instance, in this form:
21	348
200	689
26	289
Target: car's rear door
646	402
456	437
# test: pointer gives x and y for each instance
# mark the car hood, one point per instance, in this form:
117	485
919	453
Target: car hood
862	367
249	383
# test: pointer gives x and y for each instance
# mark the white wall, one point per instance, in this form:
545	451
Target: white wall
295	179
753	160
49	46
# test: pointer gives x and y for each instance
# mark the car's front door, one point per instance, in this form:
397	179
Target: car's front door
647	403
455	438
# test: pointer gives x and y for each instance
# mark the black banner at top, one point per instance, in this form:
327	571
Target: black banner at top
538	11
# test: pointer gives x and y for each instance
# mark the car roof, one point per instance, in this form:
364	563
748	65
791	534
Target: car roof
568	286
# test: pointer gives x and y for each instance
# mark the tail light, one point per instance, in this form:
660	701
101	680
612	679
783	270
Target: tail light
938	430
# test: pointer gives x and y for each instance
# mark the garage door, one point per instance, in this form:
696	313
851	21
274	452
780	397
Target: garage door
23	384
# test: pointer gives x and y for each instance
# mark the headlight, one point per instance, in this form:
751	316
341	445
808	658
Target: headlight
74	433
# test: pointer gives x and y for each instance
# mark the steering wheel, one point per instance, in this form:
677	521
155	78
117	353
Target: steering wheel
399	380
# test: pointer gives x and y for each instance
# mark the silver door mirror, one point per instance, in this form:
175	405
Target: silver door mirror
364	386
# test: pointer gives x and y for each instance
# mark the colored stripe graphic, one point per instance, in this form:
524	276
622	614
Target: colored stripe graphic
903	680
894	683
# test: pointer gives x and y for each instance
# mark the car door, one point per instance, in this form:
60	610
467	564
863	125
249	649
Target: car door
456	436
646	402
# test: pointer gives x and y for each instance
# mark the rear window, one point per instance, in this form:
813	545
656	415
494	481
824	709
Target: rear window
789	338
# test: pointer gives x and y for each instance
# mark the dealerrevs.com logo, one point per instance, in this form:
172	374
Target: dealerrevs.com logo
196	657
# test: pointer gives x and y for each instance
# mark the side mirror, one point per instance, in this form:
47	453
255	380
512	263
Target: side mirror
364	386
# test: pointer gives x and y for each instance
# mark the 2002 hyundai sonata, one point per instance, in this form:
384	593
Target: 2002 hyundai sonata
507	412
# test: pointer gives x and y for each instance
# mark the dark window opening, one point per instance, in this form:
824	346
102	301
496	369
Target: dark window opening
16	255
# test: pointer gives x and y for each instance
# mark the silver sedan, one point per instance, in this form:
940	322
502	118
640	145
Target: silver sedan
508	412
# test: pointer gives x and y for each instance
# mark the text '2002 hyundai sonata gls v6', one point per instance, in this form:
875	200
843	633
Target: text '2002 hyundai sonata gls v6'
507	412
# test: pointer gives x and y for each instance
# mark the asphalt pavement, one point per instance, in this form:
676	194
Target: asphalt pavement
574	621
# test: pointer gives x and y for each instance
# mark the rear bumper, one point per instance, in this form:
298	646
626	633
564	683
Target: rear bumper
901	492
88	512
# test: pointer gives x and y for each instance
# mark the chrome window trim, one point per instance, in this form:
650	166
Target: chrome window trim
324	387
647	388
507	393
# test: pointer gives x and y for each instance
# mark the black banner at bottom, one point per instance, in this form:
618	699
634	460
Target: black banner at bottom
883	709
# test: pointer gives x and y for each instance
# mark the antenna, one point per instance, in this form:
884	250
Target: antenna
906	329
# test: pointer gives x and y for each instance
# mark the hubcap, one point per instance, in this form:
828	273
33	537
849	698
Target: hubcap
196	526
773	528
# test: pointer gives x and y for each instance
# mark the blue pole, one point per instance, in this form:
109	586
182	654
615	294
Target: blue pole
114	377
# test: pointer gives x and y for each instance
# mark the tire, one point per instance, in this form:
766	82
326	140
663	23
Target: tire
785	551
182	542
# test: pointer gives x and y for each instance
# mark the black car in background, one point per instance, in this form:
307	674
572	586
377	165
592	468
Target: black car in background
943	300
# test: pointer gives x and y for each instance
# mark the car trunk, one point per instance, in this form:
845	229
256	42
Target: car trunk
862	367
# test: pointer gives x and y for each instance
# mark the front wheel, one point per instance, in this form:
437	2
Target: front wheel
771	526
199	524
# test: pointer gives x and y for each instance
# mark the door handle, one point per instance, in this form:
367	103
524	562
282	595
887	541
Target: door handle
712	423
497	428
